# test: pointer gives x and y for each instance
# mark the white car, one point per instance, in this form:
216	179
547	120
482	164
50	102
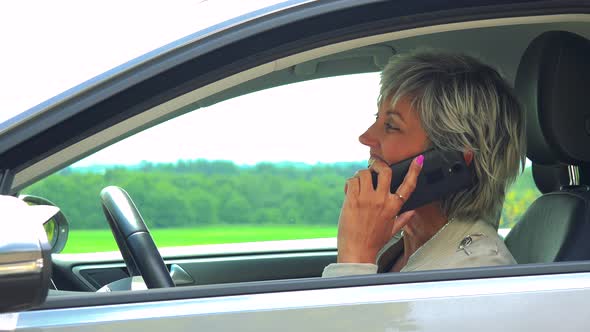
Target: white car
305	52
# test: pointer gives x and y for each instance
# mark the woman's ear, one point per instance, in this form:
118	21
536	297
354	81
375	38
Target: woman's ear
468	155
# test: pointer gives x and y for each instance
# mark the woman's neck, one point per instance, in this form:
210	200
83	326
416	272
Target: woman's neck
427	221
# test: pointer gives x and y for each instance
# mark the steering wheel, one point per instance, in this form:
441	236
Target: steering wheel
133	238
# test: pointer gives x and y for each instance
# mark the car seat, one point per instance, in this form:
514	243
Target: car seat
553	83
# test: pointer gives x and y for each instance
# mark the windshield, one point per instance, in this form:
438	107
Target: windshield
51	46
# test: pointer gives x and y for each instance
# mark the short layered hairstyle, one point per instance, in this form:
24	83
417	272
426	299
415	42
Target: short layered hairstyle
464	105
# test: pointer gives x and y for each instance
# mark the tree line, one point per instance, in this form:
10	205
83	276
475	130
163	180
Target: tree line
202	193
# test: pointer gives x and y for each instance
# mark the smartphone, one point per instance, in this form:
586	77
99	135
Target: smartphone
443	173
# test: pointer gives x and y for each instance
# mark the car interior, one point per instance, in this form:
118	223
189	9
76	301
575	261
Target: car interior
551	81
545	59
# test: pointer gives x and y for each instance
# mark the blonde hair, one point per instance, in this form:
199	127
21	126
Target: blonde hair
463	105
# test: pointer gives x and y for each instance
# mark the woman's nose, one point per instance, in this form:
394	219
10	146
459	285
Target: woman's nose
367	139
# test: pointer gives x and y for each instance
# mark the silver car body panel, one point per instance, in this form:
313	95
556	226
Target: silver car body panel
491	304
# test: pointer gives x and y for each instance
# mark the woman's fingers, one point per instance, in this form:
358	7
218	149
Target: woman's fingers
401	221
383	177
366	219
405	190
366	181
352	186
361	184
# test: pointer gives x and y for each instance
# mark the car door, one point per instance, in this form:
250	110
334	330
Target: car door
304	40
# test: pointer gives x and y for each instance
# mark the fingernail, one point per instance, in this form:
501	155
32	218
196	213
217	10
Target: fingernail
420	160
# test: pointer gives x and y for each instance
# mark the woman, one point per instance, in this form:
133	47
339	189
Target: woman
444	101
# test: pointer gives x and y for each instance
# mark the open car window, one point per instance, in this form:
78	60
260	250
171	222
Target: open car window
266	166
270	165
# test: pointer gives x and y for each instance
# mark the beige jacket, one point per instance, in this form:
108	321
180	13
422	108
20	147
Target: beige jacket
458	244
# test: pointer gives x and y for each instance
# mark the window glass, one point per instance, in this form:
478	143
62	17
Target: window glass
270	165
521	194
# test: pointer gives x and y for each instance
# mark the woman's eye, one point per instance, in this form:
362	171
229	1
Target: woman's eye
390	127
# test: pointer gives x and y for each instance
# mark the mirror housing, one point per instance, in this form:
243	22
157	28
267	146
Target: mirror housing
25	263
56	228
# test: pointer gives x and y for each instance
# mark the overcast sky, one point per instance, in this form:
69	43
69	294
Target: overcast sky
312	122
51	46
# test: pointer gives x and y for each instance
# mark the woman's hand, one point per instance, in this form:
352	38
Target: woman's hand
368	216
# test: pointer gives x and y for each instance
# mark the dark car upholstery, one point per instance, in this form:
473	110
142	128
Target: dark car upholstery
553	82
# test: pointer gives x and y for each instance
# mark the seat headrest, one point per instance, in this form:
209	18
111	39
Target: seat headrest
550	178
553	83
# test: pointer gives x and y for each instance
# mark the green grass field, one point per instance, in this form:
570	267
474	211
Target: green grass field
85	241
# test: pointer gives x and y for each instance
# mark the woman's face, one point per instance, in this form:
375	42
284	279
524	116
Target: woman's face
397	133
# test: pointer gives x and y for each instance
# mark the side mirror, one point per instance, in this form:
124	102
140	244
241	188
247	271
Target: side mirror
25	254
56	228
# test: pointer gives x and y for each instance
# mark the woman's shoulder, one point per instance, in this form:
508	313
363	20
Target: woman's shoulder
480	246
